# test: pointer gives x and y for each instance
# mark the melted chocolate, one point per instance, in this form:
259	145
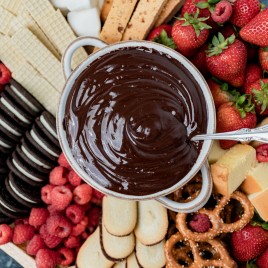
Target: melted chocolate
129	119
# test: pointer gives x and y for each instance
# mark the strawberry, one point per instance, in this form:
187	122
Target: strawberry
256	31
234	116
244	11
253	73
228	30
249	242
259	91
190	33
162	35
226	59
222	12
263	58
198	60
220	92
262	260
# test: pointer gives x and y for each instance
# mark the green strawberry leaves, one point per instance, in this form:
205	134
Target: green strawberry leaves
218	44
261	96
251	264
226	87
164	39
258	221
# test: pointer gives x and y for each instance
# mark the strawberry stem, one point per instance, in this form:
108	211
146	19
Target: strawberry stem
261	96
244	105
164	39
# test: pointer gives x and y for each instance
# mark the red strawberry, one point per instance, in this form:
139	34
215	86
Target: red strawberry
5	74
263	58
256	31
232	116
162	35
249	242
259	91
244	11
198	60
262	260
253	73
220	92
226	59
222	11
228	30
190	33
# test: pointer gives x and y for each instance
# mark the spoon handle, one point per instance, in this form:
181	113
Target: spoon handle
243	135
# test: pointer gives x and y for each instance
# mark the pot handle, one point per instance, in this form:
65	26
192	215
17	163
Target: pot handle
79	42
199	201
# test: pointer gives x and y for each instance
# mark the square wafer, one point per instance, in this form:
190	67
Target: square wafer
6	19
39	56
11	5
143	19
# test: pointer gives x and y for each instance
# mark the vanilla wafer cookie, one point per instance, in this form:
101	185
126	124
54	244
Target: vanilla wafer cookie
6	18
117	20
106	7
11	5
143	19
168	12
39	56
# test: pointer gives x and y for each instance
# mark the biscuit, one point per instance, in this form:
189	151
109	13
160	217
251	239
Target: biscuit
122	264
116	248
151	256
119	216
152	222
132	261
90	254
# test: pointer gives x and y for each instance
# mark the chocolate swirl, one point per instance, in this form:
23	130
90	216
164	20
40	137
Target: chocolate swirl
129	119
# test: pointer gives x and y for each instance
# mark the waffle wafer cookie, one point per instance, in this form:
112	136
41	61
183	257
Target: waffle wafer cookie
27	76
55	27
143	19
11	5
170	9
106	7
24	19
6	19
117	20
39	56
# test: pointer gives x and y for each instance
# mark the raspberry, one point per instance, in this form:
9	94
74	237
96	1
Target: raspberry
59	226
73	178
61	197
46	193
51	241
82	194
72	242
85	235
5	74
75	213
38	217
35	244
22	221
23	233
63	161
46	258
66	256
80	227
222	11
52	210
6	234
200	223
58	176
93	217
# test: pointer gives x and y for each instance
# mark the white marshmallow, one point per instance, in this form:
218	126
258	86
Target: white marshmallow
85	22
61	4
76	5
100	4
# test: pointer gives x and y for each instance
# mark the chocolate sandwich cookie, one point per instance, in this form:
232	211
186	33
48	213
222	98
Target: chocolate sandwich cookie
5	219
16	112
24	98
23	192
9	206
6	144
31	161
9	127
46	124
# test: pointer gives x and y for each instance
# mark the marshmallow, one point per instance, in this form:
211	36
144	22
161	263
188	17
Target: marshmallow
85	22
61	4
100	5
76	5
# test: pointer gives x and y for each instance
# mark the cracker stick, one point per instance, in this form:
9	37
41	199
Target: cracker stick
170	9
11	5
5	20
39	56
117	20
106	7
143	19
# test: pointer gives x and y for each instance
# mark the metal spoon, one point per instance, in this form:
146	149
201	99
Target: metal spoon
243	135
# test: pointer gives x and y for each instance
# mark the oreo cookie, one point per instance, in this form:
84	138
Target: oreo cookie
24	98
6	144
9	206
5	219
23	192
46	124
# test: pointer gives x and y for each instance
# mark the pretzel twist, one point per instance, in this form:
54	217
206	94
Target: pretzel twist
218	225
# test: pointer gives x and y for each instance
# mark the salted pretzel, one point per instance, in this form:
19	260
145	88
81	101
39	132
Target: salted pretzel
187	253
218	225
